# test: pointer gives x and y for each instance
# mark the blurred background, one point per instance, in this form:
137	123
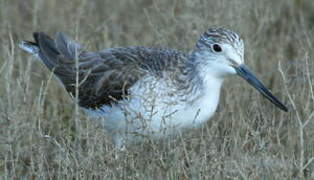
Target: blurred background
43	137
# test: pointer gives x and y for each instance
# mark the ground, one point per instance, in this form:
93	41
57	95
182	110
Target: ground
44	135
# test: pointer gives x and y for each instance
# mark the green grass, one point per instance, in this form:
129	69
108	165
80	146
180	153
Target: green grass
248	138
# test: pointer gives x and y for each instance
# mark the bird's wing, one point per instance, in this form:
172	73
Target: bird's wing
104	77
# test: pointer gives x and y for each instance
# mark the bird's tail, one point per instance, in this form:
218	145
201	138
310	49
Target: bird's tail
57	54
30	47
52	52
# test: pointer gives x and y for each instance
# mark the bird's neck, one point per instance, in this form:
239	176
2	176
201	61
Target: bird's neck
197	85
207	87
201	74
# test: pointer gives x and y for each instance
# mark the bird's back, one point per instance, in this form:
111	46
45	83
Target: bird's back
105	77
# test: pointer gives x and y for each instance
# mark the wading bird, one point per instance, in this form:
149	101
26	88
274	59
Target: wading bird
139	91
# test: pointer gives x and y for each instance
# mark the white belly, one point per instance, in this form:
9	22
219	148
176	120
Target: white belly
156	113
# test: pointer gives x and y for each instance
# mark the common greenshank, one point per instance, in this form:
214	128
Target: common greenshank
139	91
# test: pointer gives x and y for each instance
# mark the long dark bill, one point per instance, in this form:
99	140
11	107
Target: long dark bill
245	73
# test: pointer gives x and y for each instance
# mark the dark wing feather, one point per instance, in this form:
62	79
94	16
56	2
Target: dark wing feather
105	76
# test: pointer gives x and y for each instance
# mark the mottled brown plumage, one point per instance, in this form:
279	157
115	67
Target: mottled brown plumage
105	76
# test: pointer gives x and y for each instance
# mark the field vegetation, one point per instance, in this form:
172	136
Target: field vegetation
43	135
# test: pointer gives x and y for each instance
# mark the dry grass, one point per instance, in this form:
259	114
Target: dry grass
41	138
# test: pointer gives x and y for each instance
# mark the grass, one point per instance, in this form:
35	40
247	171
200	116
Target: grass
42	136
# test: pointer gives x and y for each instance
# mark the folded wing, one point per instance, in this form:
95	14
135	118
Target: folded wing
104	77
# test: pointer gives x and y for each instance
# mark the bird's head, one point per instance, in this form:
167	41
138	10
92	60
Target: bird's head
220	52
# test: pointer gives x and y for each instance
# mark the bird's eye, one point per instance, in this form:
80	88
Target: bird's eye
217	48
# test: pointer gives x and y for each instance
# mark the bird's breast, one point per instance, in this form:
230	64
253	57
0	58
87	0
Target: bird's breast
156	108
